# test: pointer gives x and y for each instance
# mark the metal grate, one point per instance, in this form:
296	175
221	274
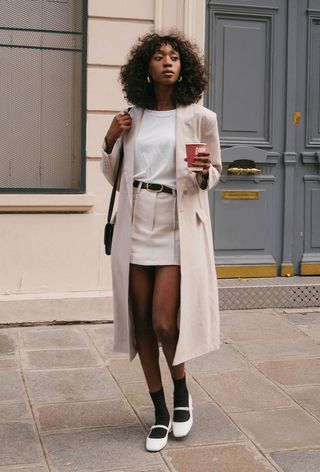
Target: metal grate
295	292
42	95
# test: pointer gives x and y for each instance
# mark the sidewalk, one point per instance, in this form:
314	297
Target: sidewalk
68	404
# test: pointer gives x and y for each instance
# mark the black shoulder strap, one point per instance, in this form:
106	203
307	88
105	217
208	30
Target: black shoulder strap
115	184
114	189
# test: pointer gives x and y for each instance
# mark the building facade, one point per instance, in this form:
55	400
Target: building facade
52	257
59	91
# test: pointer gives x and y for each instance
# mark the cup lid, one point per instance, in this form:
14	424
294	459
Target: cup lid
197	144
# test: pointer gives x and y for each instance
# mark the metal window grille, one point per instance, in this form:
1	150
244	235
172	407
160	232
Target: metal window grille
42	95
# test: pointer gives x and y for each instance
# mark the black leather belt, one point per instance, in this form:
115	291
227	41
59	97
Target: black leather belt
153	187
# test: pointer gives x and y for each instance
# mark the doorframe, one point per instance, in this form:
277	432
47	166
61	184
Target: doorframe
290	157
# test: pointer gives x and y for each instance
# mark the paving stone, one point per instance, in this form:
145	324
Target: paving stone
311	309
85	415
279	349
125	371
295	372
298	461
8	342
12	387
146	469
224	359
309	323
53	337
102	338
210	426
253	325
100	449
141	469
59	358
301	319
312	331
138	395
19	444
71	384
14	411
308	397
31	468
226	458
243	391
9	362
280	429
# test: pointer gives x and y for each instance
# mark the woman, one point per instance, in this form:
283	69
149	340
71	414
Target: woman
164	282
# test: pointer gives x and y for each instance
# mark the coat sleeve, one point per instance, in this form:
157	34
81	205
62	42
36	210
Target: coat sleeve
210	135
109	161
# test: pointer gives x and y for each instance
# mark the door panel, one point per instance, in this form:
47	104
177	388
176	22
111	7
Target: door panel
306	253
246	53
243	75
265	74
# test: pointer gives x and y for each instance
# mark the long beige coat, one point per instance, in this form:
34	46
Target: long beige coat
199	330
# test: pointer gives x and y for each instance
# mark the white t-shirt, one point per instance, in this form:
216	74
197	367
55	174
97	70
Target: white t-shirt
155	146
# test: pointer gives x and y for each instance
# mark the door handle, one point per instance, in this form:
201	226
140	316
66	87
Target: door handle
296	117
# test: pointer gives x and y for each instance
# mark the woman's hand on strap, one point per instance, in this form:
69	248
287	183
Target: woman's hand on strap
121	123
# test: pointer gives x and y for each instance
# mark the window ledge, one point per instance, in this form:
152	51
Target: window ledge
35	203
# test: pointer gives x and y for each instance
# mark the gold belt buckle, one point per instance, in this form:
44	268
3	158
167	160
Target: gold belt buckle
153	190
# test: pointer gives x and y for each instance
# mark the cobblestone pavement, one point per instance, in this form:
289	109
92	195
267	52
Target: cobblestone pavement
68	404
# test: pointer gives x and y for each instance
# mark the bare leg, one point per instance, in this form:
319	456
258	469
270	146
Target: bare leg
166	302
141	285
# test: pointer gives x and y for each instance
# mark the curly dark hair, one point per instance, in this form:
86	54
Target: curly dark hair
133	75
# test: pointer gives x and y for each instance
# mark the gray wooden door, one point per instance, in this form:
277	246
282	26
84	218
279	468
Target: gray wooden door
264	66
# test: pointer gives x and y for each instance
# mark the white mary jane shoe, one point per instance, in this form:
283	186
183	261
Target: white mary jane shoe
156	444
182	428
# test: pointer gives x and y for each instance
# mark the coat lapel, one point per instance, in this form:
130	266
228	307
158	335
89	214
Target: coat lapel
184	131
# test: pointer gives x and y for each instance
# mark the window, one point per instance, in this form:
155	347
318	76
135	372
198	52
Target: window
42	96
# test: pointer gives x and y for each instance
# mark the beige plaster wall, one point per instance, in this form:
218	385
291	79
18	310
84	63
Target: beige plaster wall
46	253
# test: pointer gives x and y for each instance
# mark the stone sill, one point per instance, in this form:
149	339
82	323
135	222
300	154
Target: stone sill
57	308
35	203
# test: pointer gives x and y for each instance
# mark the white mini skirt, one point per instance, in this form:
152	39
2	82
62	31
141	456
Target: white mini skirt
155	228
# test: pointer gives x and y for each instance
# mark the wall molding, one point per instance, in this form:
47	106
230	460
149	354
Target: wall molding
245	9
313	21
185	15
310	157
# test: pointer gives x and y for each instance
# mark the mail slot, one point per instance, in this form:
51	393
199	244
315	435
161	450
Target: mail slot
240	195
243	167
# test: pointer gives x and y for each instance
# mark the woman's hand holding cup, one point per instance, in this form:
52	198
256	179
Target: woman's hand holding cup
203	159
198	159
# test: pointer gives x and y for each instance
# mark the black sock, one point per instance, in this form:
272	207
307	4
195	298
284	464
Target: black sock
180	398
162	415
180	394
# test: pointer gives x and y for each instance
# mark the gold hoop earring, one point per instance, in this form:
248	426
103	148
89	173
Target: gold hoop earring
180	78
148	80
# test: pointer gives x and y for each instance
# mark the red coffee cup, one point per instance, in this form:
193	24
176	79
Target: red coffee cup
193	149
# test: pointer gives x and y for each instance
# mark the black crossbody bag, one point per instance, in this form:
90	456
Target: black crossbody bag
108	230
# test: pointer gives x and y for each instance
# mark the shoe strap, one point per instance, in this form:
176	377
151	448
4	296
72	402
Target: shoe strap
184	408
160	426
